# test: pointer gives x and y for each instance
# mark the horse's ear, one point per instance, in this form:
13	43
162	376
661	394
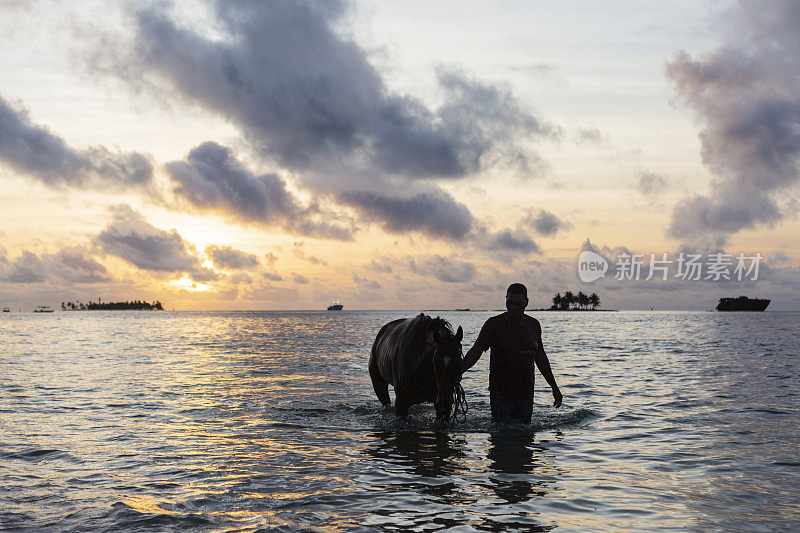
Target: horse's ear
459	334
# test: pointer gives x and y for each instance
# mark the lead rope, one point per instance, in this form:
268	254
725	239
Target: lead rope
460	406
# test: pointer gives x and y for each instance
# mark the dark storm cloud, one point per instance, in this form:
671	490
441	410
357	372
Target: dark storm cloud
747	97
33	150
434	213
228	257
212	179
73	264
130	237
305	94
544	222
442	268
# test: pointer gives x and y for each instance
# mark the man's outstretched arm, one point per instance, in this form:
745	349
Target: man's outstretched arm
473	355
482	344
544	367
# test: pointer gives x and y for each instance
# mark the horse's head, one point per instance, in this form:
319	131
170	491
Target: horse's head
448	365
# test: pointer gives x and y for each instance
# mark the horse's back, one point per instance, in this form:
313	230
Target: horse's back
395	354
385	349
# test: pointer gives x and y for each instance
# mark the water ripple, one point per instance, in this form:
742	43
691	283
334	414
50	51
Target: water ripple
267	422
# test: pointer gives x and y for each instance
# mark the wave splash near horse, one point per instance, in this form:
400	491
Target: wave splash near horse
422	359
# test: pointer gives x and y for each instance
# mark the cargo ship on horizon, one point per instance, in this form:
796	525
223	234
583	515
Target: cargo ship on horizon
742	303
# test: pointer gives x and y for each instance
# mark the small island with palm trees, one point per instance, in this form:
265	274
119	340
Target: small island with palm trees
576	302
137	305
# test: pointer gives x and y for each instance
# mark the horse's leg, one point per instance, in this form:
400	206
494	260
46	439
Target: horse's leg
401	402
380	385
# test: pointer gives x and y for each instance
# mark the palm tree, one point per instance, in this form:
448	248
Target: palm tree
569	299
594	299
556	301
583	300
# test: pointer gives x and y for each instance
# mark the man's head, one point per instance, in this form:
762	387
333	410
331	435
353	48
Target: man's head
516	298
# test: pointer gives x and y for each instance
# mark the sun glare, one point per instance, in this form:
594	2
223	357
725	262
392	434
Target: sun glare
188	284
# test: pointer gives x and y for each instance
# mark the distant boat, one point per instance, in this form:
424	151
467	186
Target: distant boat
462	309
742	303
6	310
43	309
335	306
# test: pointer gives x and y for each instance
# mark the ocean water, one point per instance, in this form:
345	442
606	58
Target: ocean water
266	421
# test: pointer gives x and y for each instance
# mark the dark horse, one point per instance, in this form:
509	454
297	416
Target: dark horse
422	359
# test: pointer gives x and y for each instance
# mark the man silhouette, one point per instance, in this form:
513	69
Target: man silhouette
516	342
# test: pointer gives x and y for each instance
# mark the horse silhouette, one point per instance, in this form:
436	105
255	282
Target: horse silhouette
422	359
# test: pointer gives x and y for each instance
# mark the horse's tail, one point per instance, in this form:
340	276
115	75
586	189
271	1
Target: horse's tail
380	385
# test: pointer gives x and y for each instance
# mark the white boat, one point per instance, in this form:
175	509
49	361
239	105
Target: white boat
43	309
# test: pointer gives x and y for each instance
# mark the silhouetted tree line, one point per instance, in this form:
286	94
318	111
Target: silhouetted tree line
575	301
137	305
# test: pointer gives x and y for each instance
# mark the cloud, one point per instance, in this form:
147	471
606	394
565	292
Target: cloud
512	241
383	266
272	276
779	258
490	119
268	293
130	237
434	213
538	69
443	268
33	150
650	184
590	136
746	95
76	265
303	93
72	264
227	257
544	222
240	278
212	179
301	279
309	99
300	253
27	268
366	283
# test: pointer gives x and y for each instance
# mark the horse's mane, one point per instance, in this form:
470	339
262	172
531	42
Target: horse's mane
416	333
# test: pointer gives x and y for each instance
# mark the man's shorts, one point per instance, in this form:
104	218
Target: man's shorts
507	410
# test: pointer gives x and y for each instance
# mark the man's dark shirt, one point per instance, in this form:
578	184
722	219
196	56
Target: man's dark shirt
511	361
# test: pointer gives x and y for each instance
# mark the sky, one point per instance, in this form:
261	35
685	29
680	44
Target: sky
398	155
